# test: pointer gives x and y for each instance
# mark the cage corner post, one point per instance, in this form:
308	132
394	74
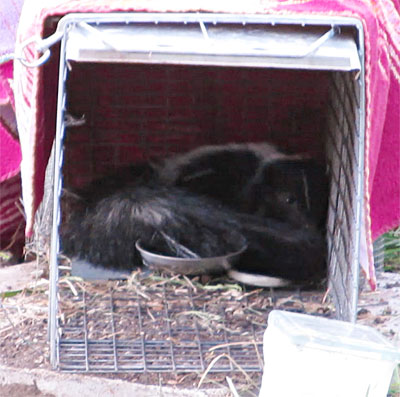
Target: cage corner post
361	171
57	188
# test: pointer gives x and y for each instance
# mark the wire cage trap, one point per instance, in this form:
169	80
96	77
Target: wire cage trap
150	85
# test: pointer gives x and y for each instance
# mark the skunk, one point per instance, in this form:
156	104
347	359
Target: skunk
254	178
201	204
106	232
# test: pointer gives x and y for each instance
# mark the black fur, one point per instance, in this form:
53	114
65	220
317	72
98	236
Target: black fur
133	175
108	230
255	179
280	199
106	233
292	190
282	250
206	201
220	174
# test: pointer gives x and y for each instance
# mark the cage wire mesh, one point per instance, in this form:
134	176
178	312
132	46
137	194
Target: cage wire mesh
159	325
379	253
344	165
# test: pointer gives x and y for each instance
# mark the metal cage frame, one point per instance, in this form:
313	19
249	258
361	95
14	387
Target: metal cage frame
343	278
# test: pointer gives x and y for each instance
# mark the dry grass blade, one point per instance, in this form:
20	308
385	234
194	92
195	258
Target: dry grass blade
7	316
326	296
232	387
16	326
187	279
150	314
142	294
160	281
201	315
221	287
221	346
215	360
68	281
209	368
253	342
250	293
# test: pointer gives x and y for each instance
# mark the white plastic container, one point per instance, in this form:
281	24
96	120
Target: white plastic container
307	356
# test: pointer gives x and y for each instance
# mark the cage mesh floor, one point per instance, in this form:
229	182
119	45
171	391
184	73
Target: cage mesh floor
160	325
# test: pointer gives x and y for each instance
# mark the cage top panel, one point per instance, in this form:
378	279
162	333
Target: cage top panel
213	43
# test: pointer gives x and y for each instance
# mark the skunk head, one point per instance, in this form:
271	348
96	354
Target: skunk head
293	190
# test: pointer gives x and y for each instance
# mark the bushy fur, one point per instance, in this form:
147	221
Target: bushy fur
106	233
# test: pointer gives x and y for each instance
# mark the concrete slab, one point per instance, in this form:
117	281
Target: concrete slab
42	383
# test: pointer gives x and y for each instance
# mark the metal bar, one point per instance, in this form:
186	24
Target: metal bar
318	43
141	332
225	45
192	56
253	331
48	42
55	239
360	178
196	327
204	30
226	339
114	340
85	332
170	338
96	33
214	18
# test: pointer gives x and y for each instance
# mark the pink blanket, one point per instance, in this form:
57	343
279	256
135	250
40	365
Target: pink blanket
381	23
11	213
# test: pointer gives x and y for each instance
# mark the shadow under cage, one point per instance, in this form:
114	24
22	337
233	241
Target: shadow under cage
159	84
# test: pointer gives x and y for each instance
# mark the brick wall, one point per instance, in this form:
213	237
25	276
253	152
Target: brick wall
142	112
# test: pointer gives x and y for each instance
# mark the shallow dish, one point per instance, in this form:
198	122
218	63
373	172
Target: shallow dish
191	266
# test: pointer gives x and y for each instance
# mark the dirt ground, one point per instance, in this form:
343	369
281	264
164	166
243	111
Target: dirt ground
18	389
381	309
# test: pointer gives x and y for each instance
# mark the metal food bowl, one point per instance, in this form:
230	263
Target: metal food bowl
191	266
